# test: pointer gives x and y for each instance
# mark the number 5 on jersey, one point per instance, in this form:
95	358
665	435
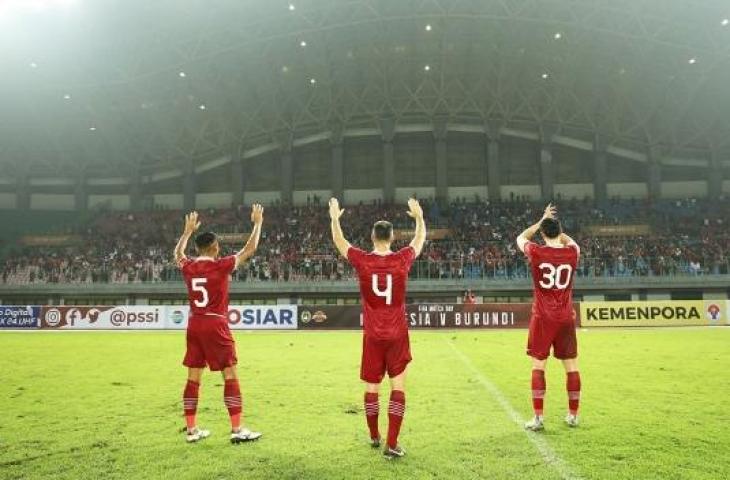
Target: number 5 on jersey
388	292
198	285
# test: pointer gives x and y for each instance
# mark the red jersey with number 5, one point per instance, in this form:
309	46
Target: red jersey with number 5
383	280
207	281
553	270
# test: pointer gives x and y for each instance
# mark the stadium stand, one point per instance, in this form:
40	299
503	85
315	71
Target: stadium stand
678	237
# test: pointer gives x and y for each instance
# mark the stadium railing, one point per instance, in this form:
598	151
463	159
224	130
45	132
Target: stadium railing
336	270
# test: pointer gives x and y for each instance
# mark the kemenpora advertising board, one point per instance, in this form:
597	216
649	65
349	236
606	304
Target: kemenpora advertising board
659	313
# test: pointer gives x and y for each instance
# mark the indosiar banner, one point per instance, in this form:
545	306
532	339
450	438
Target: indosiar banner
665	313
243	317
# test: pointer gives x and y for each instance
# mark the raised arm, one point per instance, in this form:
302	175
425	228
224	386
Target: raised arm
337	236
257	218
526	236
416	212
191	225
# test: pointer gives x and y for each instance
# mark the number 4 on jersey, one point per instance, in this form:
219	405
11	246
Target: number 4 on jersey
388	292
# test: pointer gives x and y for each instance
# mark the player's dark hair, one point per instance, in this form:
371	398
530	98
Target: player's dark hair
551	228
382	230
205	240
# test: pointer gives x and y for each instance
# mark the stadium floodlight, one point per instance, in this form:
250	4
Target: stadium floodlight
33	65
725	22
291	7
67	97
545	76
303	43
284	69
692	61
312	81
558	36
93	129
201	106
427	68
182	74
428	27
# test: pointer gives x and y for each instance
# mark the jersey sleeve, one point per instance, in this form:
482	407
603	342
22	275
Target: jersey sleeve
407	255
355	256
184	262
228	264
530	249
576	247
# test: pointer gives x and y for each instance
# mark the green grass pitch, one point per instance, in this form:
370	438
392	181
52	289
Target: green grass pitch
94	405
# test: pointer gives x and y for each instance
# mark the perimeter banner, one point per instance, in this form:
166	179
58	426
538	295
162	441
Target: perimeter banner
665	313
19	317
424	316
243	317
124	317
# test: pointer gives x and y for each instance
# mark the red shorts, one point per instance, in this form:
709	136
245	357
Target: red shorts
558	335
209	342
380	356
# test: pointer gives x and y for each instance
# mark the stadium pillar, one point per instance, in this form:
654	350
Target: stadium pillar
387	127
715	176
494	182
189	186
600	180
440	129
135	191
337	178
287	169
547	178
237	180
22	192
654	172
81	197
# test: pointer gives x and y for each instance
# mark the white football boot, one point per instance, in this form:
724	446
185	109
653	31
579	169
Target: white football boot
571	420
244	435
196	435
536	424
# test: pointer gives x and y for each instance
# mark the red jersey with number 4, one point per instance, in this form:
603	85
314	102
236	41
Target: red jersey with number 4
383	280
553	270
207	281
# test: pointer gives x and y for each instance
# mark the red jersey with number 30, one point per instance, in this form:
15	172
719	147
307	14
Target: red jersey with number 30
207	281
383	280
553	270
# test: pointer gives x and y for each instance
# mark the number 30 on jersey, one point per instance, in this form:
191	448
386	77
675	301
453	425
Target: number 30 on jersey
555	277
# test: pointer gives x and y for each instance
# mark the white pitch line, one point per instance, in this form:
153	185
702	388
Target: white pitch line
548	454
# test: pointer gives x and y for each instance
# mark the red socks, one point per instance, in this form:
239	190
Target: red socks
372	409
538	391
396	410
232	399
190	402
572	384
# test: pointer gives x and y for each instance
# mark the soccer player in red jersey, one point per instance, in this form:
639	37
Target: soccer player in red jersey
209	340
383	275
552	324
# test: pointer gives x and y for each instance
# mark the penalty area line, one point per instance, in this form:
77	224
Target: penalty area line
541	445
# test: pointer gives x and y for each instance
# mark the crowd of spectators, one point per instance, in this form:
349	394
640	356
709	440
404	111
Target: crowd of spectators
688	237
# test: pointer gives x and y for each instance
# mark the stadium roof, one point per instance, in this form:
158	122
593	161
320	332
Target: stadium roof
108	88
